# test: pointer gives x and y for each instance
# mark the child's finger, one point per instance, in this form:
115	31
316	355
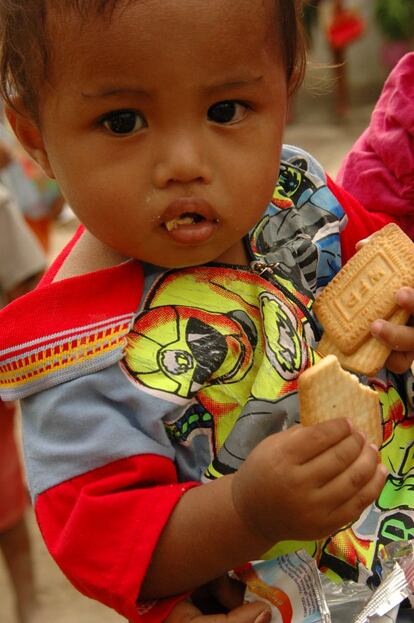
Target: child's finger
354	506
303	444
361	243
399	362
327	466
227	591
257	612
353	479
405	299
397	337
186	612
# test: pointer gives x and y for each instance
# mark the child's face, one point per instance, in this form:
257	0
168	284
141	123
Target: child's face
170	110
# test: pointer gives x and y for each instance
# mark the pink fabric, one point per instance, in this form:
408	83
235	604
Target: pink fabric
379	170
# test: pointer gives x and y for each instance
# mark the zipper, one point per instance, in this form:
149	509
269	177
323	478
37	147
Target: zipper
266	270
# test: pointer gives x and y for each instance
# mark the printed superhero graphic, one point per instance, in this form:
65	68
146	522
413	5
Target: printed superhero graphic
226	347
298	230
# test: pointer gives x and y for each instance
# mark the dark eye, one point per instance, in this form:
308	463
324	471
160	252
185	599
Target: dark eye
123	122
228	112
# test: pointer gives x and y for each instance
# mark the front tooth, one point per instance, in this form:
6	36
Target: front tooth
176	222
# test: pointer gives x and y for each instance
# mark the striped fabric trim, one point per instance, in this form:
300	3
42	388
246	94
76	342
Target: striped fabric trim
47	361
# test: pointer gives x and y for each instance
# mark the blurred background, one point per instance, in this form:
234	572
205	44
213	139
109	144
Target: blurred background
353	45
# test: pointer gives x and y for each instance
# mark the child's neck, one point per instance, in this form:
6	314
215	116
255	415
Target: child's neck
88	255
237	254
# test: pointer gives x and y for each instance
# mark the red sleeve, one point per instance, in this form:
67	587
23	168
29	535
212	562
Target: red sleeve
361	222
103	526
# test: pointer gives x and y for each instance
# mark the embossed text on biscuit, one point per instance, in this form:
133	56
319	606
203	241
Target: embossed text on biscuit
364	287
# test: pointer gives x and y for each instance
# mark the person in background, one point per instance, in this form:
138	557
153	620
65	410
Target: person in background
379	169
21	265
51	202
38	197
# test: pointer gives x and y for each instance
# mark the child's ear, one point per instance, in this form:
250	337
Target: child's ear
28	133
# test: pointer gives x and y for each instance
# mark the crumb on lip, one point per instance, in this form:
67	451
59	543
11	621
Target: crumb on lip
184	219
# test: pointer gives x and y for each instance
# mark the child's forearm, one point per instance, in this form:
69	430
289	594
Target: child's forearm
204	538
303	483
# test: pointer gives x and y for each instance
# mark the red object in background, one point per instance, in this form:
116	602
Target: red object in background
346	27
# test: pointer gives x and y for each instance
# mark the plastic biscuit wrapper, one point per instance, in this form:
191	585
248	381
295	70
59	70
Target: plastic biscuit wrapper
401	552
390	593
298	593
291	586
346	599
397	561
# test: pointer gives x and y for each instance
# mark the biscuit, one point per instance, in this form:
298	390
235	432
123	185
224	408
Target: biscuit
370	356
326	391
364	289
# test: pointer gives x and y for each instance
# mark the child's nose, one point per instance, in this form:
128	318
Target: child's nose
182	160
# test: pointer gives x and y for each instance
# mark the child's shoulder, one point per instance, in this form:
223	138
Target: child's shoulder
66	328
300	158
303	180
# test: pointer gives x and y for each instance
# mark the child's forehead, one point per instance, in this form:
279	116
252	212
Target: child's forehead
225	17
157	32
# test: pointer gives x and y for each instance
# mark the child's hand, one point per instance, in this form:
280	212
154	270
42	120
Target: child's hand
220	595
186	612
399	338
306	483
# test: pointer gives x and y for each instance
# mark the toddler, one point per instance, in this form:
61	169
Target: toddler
157	362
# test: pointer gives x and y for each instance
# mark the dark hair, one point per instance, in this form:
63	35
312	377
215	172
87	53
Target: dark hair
25	48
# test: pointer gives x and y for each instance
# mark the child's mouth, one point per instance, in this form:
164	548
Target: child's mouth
189	220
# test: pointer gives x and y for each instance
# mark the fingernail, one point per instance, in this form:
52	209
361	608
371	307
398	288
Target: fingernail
376	327
402	296
264	617
349	422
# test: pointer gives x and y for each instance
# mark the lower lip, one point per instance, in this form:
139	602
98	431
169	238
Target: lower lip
194	233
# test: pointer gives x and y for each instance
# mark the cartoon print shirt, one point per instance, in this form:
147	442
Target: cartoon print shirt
176	387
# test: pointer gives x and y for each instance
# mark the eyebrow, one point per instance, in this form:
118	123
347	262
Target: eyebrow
233	84
132	91
116	91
